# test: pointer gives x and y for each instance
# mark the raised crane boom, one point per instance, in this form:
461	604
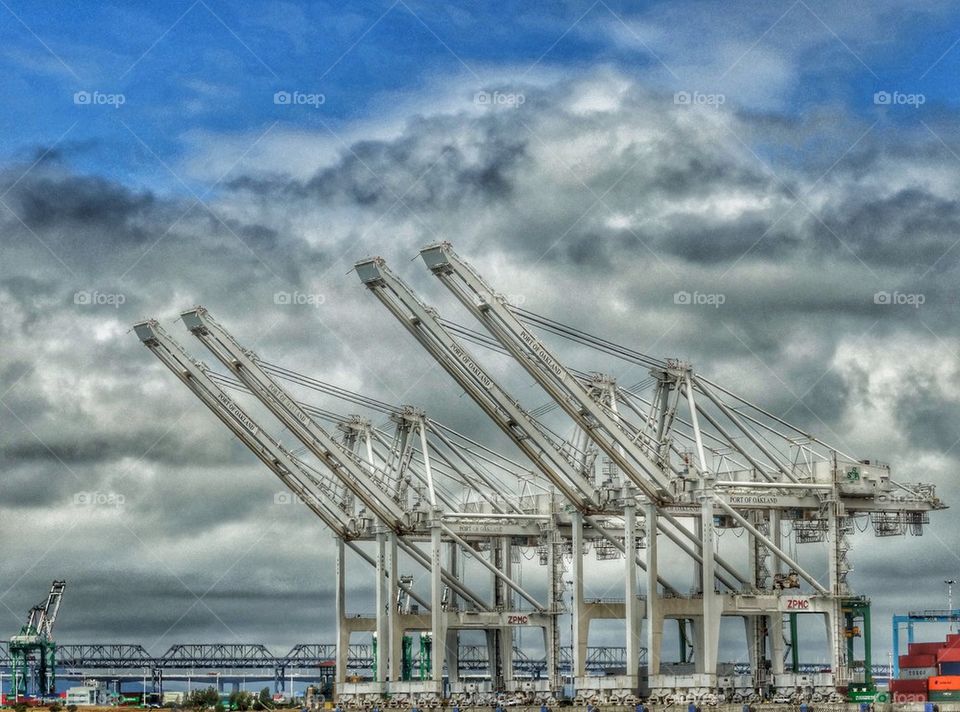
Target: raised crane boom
492	311
525	431
41	617
423	323
194	375
388	488
347	467
314	490
316	493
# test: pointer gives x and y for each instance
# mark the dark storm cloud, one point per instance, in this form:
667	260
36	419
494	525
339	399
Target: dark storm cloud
428	166
595	211
930	418
700	240
912	227
27	487
79	201
82	449
100	227
437	174
15	370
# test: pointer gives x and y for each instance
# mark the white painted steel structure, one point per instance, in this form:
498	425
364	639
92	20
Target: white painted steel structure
674	462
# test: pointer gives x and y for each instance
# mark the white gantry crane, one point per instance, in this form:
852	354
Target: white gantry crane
653	474
742	468
564	470
371	484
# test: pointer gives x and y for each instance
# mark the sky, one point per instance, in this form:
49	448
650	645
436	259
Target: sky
593	160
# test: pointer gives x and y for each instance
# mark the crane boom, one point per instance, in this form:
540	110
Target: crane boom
525	431
41	617
528	350
269	451
343	463
501	407
316	494
52	606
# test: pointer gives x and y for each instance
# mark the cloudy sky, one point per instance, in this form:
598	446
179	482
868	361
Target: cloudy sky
799	159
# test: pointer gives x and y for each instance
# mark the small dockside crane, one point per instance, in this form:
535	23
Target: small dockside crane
33	652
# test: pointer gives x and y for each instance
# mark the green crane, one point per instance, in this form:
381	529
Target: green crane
33	647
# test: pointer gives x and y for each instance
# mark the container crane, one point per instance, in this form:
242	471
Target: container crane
34	647
553	459
676	457
353	472
745	468
197	377
565	472
363	478
566	390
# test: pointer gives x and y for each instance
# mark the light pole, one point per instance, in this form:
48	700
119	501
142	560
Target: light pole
949	583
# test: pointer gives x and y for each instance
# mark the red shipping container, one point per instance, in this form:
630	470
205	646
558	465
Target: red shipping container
949	655
924	648
918	661
899	685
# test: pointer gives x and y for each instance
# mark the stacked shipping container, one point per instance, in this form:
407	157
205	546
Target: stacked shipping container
929	672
